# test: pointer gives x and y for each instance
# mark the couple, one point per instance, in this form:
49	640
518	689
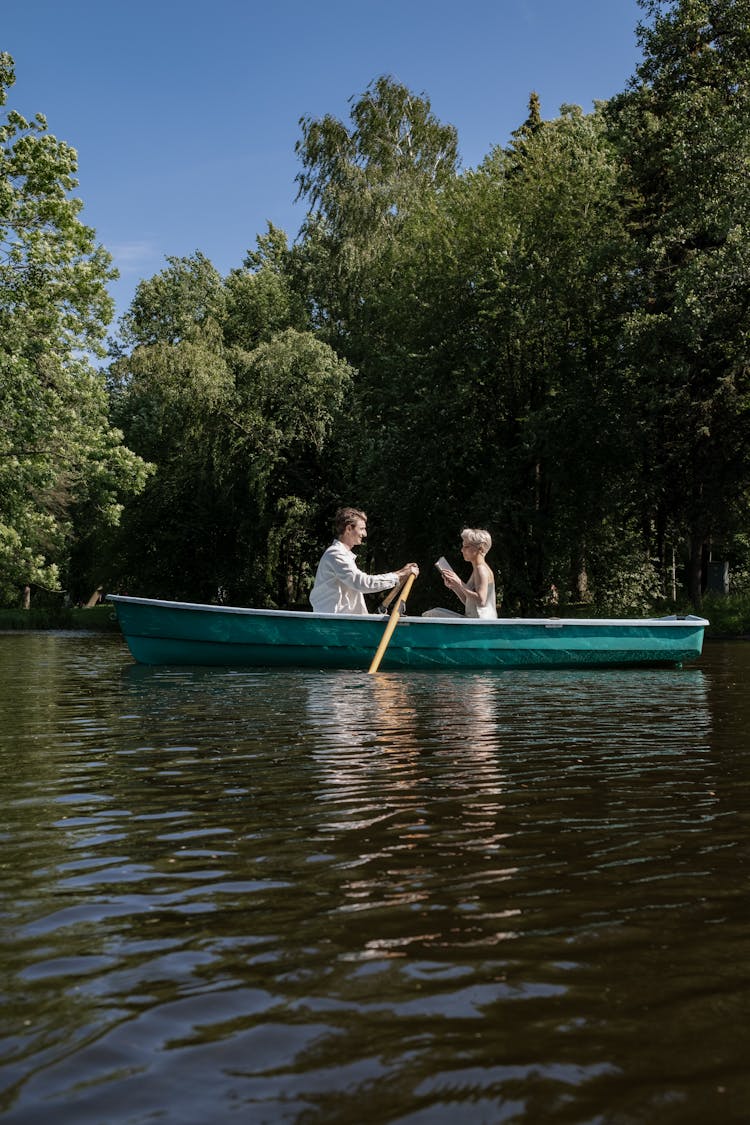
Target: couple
340	585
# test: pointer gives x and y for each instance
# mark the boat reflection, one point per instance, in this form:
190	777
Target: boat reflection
426	781
384	728
412	799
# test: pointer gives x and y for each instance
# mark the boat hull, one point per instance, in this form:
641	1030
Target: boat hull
161	632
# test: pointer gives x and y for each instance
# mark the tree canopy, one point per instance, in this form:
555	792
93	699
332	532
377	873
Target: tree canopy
553	345
64	470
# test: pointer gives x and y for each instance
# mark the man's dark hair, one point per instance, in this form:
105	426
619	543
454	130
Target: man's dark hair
346	516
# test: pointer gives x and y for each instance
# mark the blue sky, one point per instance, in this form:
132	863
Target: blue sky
185	113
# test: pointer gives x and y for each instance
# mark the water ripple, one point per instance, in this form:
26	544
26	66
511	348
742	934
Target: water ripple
288	896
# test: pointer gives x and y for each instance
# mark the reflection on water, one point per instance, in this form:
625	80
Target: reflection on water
472	767
406	763
300	896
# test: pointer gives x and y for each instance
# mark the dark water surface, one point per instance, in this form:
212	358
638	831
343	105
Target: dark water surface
250	896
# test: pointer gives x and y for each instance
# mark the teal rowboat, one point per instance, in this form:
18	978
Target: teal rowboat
161	632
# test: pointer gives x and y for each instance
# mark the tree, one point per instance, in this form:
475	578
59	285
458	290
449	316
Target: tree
551	303
683	131
233	399
63	468
361	182
489	354
365	182
262	297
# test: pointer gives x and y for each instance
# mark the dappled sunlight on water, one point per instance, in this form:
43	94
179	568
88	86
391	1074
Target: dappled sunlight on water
300	896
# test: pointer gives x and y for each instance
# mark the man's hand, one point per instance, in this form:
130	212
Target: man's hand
405	571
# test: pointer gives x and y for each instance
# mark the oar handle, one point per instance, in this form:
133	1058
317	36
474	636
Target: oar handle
392	623
389	597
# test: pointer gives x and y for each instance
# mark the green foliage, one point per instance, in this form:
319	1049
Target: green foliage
99	619
553	345
362	182
621	580
178	305
362	178
260	298
482	339
729	614
63	469
233	399
683	129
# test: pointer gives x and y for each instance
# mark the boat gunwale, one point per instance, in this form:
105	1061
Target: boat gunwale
675	621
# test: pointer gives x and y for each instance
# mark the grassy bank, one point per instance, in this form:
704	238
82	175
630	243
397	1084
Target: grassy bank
729	614
99	619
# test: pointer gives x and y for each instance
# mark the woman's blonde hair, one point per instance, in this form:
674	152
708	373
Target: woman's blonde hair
476	537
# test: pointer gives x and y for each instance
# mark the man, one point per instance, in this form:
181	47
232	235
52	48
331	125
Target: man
340	586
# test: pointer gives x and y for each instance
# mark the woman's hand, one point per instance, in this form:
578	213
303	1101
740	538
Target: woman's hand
452	581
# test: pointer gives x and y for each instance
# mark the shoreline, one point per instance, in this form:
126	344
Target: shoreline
98	619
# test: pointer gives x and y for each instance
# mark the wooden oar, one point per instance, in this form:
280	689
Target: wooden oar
392	623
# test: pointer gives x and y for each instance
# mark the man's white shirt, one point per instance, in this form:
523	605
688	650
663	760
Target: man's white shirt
340	585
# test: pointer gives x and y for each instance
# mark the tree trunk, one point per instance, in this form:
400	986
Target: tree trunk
695	571
579	579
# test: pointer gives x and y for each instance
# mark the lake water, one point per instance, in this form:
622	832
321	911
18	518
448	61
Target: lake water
270	896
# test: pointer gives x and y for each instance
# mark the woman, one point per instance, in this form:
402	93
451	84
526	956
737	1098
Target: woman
478	594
